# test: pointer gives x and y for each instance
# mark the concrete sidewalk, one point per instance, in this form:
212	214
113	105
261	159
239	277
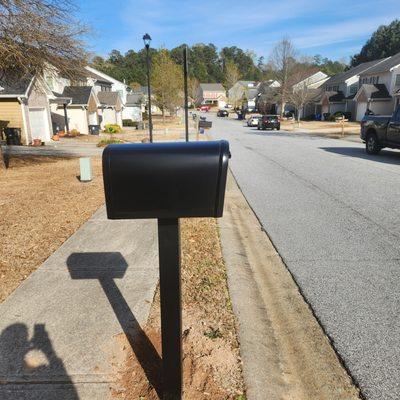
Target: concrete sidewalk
59	331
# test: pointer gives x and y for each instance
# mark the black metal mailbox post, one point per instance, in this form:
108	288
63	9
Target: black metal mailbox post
167	181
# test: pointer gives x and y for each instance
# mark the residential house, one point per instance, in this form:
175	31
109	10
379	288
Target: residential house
129	110
379	88
213	94
110	108
309	87
144	91
135	104
79	105
244	94
24	104
340	90
267	97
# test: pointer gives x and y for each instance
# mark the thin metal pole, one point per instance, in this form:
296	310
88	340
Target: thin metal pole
185	79
149	94
171	313
66	118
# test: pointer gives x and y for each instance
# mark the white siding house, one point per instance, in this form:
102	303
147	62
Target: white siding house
340	90
379	88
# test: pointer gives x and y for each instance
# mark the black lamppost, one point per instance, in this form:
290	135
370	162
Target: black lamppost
147	40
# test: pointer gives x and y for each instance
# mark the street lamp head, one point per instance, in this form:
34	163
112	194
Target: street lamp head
147	40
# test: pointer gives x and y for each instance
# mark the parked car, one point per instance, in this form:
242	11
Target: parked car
204	108
379	131
253	121
222	113
269	122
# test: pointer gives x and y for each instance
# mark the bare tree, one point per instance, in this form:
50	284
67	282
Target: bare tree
37	33
302	92
283	61
193	89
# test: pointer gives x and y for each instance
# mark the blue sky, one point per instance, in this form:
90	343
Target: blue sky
332	28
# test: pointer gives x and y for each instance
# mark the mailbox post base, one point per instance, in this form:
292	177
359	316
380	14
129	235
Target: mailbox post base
171	313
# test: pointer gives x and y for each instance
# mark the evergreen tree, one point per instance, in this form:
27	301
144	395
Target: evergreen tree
384	42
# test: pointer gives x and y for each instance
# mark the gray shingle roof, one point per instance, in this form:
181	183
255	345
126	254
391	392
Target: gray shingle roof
385	65
378	91
343	76
134	99
79	94
214	87
252	93
108	98
97	77
12	85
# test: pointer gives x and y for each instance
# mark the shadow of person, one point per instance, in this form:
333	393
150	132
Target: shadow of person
105	267
30	368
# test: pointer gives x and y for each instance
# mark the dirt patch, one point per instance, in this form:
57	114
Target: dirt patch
42	203
211	363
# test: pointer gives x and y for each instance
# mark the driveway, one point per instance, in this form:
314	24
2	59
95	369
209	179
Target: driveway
333	214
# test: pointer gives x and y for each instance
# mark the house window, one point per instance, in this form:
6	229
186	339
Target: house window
353	88
50	82
397	80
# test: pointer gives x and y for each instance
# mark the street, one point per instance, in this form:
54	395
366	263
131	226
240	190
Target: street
332	212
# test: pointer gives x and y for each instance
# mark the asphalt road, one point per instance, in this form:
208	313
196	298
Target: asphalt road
333	214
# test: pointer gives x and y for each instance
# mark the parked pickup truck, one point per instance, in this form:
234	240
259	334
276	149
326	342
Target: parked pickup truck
379	131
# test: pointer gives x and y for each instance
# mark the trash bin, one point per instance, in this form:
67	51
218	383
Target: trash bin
140	125
94	129
13	136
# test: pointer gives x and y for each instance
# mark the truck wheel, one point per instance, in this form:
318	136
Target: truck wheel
372	145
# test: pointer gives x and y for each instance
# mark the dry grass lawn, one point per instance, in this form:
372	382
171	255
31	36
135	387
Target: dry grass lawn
42	203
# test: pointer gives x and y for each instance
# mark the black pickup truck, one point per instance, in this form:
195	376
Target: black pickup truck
379	131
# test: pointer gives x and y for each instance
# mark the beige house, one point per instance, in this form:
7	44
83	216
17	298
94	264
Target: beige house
78	107
212	94
110	110
24	105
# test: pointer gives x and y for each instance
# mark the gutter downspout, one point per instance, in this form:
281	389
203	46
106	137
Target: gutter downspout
19	98
66	116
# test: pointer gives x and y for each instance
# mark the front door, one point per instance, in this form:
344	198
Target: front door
393	130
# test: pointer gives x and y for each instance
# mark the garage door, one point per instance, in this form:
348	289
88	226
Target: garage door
361	108
39	124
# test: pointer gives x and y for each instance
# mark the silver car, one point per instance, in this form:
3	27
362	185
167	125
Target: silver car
253	121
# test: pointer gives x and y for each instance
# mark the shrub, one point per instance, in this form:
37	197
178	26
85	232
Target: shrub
112	128
106	142
129	122
340	114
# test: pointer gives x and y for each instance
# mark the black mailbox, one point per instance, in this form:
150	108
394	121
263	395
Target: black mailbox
165	180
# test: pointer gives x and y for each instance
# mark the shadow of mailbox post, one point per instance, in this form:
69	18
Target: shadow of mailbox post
106	267
167	181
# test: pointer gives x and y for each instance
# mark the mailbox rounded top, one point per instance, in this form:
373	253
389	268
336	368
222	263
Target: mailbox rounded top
165	180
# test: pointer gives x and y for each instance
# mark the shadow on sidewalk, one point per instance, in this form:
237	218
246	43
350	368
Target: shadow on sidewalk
106	267
30	368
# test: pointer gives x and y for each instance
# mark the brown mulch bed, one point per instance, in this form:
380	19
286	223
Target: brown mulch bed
211	361
42	203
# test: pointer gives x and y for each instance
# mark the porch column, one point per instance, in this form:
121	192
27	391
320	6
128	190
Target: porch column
66	117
